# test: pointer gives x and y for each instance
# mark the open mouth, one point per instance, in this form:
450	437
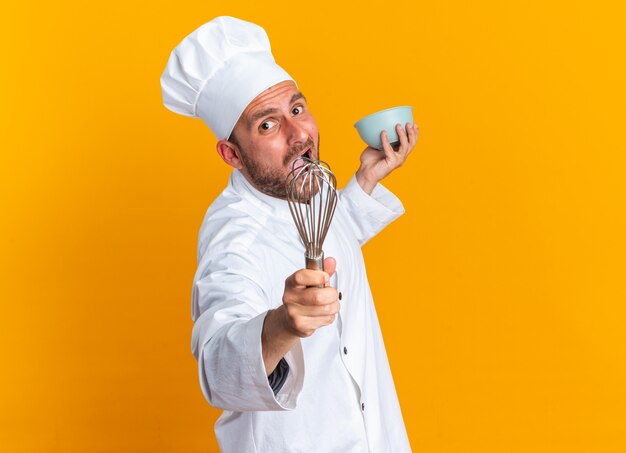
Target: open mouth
299	160
297	155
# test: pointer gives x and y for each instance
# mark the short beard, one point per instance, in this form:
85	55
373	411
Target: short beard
271	182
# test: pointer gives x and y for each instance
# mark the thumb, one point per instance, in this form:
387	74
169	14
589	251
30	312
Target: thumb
330	265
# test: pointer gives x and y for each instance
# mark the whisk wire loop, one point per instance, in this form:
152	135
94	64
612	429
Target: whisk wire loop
312	197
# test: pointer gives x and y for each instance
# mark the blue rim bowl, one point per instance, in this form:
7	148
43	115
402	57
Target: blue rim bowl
370	127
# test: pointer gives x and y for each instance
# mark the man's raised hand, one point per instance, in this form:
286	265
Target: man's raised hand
376	164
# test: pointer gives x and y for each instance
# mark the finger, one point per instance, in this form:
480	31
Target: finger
307	277
387	149
402	136
300	299
411	136
319	311
412	128
319	296
314	311
305	326
330	265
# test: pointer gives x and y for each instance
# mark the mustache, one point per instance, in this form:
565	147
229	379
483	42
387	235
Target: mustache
296	150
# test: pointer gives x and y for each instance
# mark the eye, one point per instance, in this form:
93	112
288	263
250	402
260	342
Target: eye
266	125
297	110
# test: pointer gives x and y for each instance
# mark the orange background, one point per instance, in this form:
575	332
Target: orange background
501	292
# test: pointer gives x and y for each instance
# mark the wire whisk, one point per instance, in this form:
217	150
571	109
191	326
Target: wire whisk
312	197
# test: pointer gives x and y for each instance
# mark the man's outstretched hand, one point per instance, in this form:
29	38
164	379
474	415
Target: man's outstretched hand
306	307
376	164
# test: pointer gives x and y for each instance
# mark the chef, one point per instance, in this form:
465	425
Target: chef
294	357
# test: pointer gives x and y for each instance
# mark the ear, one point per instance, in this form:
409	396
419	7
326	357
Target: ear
229	152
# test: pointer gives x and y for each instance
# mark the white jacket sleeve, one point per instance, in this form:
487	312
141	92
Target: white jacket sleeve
369	214
229	306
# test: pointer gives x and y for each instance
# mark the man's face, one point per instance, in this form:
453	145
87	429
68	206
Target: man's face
275	129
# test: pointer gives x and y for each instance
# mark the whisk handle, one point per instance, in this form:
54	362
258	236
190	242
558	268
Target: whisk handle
316	264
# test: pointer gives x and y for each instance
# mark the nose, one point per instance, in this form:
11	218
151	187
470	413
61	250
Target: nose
297	134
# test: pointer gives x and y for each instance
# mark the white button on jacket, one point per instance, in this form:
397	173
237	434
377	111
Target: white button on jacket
331	401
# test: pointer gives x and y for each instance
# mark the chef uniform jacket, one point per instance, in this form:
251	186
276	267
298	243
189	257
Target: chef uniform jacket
339	394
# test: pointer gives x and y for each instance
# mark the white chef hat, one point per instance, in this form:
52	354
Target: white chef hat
216	71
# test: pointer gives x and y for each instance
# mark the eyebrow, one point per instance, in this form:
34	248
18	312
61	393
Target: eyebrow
262	113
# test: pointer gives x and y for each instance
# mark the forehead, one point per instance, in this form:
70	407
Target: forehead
275	96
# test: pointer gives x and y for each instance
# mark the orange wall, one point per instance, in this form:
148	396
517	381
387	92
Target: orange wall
501	292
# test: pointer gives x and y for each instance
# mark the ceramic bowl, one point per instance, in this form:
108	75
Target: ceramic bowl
371	126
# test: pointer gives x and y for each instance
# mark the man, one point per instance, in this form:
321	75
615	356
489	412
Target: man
295	359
